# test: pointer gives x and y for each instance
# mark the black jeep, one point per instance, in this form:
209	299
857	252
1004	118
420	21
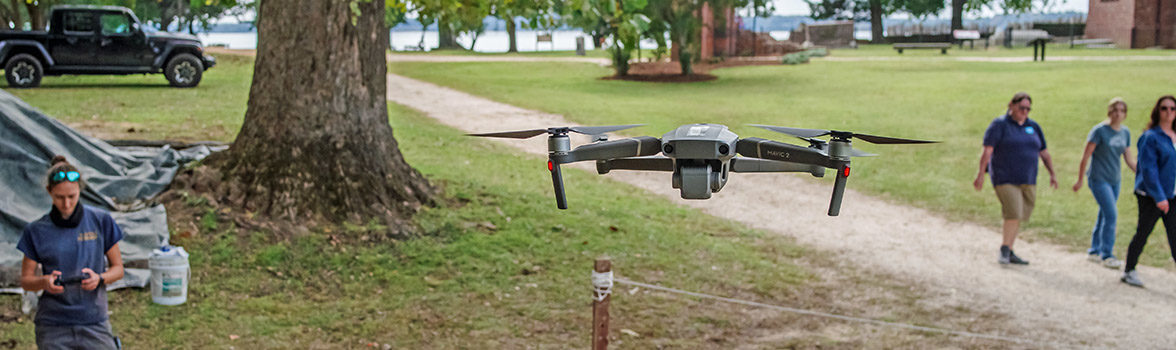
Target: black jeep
100	40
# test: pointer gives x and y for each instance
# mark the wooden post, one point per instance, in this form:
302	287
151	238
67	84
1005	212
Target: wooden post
600	308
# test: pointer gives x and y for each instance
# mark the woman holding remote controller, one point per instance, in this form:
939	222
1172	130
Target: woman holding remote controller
73	243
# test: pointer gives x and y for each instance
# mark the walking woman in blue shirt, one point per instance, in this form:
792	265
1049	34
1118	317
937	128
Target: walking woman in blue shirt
72	241
1012	145
1155	184
1107	142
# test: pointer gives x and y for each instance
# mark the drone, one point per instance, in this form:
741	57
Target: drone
702	155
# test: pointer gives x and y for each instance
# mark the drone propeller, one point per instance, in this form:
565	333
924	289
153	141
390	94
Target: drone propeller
586	130
824	146
810	133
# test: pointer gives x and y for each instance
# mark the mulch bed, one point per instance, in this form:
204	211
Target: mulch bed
671	72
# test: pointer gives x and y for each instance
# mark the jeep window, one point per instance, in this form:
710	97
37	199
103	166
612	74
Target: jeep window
78	23
115	24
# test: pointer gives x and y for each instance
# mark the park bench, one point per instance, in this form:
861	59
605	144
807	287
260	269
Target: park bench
942	47
1094	43
544	37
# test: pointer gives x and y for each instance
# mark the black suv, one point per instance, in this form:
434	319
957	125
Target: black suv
100	40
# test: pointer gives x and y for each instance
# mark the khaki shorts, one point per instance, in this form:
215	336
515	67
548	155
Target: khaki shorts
1016	201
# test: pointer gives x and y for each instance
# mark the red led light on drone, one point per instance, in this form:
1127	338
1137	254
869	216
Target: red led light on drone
845	172
550	166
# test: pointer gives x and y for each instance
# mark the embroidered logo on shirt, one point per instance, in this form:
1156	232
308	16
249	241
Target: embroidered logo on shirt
1029	130
88	236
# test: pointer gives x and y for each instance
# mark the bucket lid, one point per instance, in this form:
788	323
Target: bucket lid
168	251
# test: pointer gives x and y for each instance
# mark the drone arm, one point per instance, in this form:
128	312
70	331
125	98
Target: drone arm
754	165
838	190
646	164
755	147
630	147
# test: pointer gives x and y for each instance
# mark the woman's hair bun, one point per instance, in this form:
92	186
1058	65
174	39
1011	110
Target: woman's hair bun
58	159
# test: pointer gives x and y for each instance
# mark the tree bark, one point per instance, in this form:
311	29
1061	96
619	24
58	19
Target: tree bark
876	35
511	29
446	38
315	142
36	18
957	14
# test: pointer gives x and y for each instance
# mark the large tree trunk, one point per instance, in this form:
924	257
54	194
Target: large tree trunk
316	143
511	28
446	38
957	14
876	22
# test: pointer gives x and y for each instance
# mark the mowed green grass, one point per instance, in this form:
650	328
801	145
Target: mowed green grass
952	102
1058	49
114	105
498	266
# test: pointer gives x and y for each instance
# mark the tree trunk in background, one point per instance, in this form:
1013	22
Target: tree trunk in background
957	14
446	38
511	28
876	35
36	18
597	41
315	142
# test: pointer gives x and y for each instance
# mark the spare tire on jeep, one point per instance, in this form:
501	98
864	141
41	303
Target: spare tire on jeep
184	70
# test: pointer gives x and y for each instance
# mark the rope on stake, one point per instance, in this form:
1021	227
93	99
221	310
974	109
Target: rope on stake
602	283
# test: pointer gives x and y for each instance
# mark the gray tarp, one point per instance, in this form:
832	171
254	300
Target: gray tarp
119	180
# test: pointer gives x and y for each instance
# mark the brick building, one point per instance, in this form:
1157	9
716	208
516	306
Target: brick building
1133	23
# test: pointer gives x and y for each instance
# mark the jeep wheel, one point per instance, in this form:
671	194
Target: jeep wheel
184	70
23	71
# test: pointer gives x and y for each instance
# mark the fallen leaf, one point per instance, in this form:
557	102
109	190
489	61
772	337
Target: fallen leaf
630	333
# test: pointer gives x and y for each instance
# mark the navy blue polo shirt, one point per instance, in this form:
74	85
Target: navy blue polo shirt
1015	149
69	250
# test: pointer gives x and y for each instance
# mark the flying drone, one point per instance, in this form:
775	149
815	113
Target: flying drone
701	155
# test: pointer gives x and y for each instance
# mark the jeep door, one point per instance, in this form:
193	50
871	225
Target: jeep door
75	43
120	42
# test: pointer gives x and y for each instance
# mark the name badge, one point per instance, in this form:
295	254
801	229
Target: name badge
1029	130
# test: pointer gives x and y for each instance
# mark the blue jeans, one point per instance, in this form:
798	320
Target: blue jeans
1102	238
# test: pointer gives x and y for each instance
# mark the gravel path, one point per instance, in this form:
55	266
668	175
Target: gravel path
1061	298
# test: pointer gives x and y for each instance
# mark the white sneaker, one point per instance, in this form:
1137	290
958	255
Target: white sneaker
1132	278
1094	257
1112	263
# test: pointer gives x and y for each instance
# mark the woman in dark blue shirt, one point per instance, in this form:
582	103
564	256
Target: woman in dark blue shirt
1155	183
1012	145
72	241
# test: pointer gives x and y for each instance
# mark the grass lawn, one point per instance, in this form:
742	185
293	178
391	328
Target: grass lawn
940	100
601	53
499	267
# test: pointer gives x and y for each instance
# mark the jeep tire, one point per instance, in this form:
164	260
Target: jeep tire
184	70
23	71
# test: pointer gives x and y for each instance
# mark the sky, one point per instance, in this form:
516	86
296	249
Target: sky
799	7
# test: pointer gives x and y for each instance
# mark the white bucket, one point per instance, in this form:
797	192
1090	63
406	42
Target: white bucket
169	275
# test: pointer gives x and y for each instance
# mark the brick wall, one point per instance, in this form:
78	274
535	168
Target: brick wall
1112	20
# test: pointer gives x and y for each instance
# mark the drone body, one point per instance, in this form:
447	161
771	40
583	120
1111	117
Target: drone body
701	156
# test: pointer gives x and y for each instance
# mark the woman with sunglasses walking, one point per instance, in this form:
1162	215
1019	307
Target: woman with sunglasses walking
1106	142
1155	184
74	244
1012	145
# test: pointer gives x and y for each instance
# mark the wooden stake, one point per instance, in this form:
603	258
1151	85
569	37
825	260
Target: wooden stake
600	311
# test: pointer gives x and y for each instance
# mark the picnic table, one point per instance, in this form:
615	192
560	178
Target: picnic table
942	47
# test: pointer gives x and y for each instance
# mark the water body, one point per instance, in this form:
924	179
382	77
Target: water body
490	41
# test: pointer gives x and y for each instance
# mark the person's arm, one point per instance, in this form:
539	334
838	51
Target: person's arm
113	273
30	281
1082	166
985	158
1045	158
1130	159
1147	169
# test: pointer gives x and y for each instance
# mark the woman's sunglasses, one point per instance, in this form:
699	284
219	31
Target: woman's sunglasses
71	176
1166	108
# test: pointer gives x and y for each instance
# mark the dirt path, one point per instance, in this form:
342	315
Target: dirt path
1060	298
